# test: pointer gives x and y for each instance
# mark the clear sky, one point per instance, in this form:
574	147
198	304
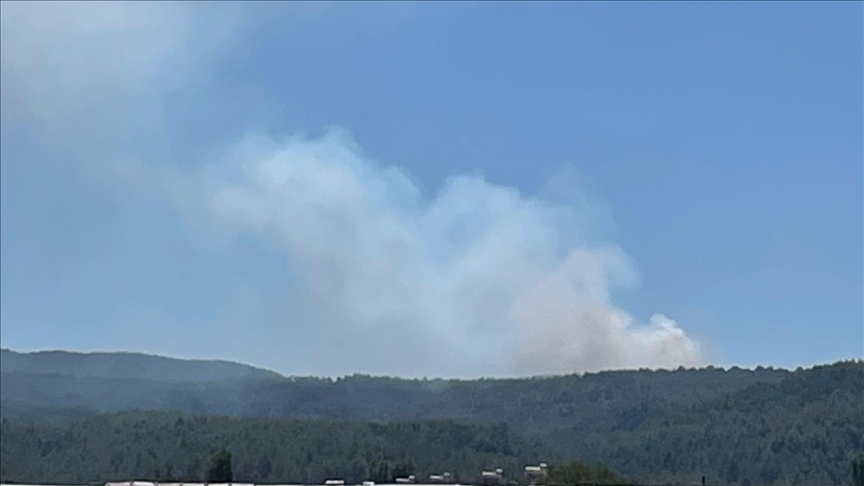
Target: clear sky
435	189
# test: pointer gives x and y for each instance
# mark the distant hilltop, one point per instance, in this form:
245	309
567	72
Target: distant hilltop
126	365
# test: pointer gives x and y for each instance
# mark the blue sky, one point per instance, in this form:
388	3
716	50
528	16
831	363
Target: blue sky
435	189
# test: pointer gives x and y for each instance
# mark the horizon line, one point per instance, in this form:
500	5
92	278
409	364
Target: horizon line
292	377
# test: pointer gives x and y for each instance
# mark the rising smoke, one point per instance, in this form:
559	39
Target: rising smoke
477	277
474	279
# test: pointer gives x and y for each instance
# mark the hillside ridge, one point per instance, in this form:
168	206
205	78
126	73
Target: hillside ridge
125	364
736	426
7	355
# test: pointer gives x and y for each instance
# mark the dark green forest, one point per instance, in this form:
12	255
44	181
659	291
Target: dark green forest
734	426
167	445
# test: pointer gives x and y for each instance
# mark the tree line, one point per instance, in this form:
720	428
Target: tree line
736	427
170	446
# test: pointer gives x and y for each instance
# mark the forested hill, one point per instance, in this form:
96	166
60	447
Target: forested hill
126	365
735	426
167	446
534	405
802	430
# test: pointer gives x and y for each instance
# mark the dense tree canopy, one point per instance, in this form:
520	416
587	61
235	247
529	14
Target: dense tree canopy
576	472
736	427
160	445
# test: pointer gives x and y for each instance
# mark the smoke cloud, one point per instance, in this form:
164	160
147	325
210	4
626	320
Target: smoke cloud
476	278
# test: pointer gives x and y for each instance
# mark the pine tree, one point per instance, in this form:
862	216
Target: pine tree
220	468
858	472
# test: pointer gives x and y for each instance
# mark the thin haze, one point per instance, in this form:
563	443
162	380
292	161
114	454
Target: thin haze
475	279
365	265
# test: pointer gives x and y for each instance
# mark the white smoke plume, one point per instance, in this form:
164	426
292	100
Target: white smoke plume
474	279
477	277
